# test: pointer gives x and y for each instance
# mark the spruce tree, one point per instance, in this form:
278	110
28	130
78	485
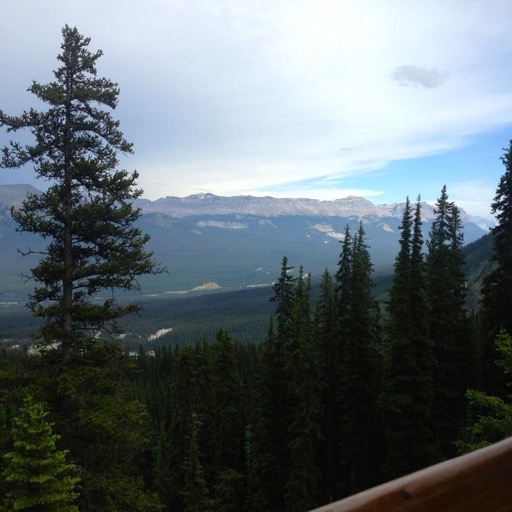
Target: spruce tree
37	476
449	324
489	418
333	463
107	432
343	275
325	331
228	428
406	399
358	329
268	445
304	377
194	492
497	285
175	441
88	219
284	297
87	212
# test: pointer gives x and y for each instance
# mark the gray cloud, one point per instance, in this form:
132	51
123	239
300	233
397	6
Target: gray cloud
415	76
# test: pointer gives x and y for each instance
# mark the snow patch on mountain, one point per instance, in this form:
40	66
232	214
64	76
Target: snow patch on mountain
386	227
329	231
221	225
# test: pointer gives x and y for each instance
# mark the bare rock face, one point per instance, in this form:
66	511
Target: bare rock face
210	204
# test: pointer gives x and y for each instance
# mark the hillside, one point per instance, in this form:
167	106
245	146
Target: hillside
235	242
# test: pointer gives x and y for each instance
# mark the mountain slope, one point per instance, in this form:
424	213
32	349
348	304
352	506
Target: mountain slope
234	242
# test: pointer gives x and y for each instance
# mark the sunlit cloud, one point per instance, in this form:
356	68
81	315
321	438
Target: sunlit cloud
409	75
287	97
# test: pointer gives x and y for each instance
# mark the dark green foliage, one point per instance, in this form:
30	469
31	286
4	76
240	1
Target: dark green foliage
226	437
304	373
269	464
86	214
489	418
37	476
358	334
87	217
244	313
324	407
325	332
497	285
4	445
106	432
285	427
407	395
454	347
176	429
204	402
195	492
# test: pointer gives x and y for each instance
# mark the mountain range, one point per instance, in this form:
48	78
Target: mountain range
207	241
351	206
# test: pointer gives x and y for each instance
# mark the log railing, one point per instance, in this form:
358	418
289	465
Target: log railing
480	481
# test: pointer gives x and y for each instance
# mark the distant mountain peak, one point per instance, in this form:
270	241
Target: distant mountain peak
14	194
206	203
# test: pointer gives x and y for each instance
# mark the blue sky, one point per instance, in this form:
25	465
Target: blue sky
290	98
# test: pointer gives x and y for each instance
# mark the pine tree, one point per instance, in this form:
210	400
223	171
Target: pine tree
304	377
107	432
325	331
87	217
183	420
268	445
406	399
37	476
228	427
449	324
284	297
358	328
343	275
195	491
489	418
497	285
87	212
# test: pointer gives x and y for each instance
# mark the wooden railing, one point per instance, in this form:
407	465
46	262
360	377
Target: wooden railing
480	481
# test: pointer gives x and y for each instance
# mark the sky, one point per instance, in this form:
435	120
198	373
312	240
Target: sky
381	99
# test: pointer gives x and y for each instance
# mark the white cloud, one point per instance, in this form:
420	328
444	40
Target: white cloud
469	195
408	75
229	96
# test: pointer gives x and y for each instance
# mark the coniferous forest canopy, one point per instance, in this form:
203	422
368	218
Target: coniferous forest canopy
345	387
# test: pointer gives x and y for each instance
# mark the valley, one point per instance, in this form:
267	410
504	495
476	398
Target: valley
235	242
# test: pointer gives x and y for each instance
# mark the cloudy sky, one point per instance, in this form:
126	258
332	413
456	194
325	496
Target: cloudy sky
291	98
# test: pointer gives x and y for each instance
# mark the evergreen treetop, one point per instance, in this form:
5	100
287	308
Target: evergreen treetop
86	213
497	285
37	476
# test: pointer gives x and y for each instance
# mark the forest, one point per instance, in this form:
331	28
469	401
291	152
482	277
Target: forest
342	392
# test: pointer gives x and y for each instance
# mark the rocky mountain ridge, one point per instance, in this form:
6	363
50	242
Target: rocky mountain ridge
267	206
233	241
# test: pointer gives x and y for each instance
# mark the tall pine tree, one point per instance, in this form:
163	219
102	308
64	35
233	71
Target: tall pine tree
228	428
325	331
268	446
87	212
87	217
449	324
406	400
497	285
304	377
174	442
358	327
194	491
